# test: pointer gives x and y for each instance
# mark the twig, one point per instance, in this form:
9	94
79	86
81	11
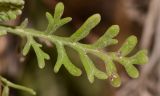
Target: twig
149	24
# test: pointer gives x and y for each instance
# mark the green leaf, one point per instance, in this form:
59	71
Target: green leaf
24	23
128	46
129	67
3	32
100	75
91	70
54	25
56	21
41	55
132	71
88	66
60	52
110	67
50	27
49	17
5	91
58	11
84	30
26	48
64	21
63	59
139	58
106	39
11	15
115	80
112	72
11	9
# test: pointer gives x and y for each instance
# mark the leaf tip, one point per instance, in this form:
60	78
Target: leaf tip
97	17
60	5
113	30
133	38
69	18
144	55
41	66
55	70
91	79
77	72
116	27
132	71
48	14
115	80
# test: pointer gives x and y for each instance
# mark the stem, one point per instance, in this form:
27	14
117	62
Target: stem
64	40
19	87
53	39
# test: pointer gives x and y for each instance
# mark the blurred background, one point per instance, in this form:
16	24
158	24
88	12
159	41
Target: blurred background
135	17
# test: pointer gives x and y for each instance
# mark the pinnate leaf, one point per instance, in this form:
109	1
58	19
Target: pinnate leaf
56	21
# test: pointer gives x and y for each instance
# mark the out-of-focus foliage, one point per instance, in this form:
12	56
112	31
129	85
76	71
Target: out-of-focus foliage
9	9
7	85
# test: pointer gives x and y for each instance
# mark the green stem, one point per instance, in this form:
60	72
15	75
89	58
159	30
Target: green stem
64	40
52	38
19	87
